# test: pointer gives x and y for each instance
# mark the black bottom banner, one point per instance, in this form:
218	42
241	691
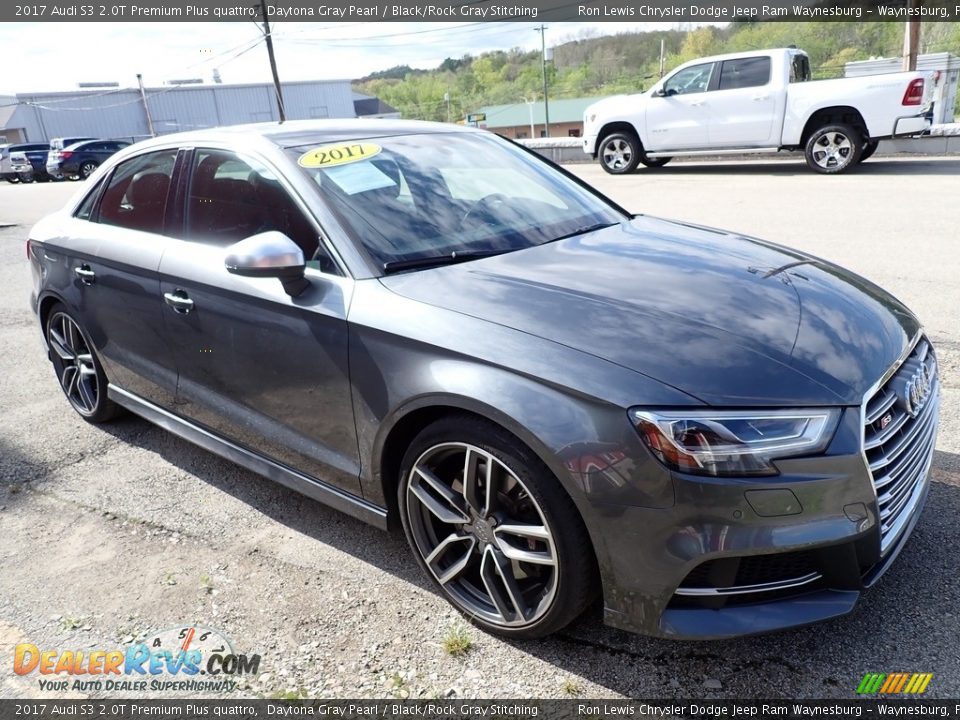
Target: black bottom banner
124	709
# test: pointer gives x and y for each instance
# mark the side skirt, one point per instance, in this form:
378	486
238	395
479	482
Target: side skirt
304	484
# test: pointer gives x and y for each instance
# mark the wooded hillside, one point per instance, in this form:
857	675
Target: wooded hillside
629	62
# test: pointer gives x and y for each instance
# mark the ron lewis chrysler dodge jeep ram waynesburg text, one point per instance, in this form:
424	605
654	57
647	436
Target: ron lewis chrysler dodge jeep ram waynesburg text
430	327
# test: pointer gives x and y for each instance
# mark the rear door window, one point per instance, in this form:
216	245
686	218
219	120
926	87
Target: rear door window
745	73
136	196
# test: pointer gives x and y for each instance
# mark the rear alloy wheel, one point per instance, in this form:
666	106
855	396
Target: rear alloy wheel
493	528
834	149
86	170
620	153
78	369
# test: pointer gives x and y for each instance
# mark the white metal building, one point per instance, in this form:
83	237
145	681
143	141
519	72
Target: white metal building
120	113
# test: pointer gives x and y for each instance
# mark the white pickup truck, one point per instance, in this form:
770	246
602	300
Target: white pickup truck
756	102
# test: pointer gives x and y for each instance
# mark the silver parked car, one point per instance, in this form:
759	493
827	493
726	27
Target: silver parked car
431	327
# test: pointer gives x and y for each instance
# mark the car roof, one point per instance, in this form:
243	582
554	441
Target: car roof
306	132
81	143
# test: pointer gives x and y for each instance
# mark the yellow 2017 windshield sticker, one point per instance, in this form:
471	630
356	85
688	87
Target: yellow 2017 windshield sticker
338	154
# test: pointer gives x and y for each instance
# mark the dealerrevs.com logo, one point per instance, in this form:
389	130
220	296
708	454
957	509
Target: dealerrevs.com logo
188	658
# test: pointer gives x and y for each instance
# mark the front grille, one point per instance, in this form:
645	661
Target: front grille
898	439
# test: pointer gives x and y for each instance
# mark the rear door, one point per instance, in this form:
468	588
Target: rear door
678	119
744	105
263	369
117	276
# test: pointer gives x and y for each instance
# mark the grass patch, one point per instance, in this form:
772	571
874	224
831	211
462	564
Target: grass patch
457	640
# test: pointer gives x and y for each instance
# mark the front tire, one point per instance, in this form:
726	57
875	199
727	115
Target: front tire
78	368
619	153
492	527
834	149
25	178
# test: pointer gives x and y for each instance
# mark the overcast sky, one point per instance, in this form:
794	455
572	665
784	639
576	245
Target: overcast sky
57	56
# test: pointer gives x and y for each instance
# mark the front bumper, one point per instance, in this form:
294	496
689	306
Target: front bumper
725	561
590	144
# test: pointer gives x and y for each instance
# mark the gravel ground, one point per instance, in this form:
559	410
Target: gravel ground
113	532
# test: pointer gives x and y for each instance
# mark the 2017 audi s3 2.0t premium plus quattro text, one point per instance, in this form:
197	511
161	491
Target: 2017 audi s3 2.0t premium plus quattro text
429	326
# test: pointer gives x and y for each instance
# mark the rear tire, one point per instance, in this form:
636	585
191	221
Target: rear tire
506	546
869	148
834	149
12	179
78	368
654	162
25	178
87	169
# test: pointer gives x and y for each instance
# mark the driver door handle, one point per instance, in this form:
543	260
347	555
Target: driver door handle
179	301
698	103
85	274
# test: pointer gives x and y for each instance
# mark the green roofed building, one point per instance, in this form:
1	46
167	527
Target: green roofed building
515	120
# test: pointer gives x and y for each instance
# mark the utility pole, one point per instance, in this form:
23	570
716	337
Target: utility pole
273	61
662	54
446	99
146	108
911	40
543	66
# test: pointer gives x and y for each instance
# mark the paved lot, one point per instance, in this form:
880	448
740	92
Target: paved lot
109	533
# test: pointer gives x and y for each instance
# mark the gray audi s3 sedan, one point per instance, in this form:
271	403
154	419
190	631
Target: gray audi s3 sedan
429	327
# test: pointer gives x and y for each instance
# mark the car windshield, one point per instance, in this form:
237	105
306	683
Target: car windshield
412	199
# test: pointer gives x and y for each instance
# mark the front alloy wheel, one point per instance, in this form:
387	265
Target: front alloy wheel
78	369
485	533
620	153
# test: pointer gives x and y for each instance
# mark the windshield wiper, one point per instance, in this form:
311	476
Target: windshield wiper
584	230
437	260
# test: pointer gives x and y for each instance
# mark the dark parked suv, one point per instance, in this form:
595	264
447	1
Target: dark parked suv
431	327
79	160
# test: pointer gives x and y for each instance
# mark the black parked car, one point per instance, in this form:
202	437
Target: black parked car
79	160
431	327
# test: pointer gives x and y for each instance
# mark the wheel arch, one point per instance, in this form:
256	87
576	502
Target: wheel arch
396	434
834	115
44	306
615	126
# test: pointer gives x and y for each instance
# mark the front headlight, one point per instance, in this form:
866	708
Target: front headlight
704	442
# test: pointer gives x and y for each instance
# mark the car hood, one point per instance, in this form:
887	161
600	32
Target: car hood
727	319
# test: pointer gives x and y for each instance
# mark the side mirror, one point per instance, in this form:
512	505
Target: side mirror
659	92
269	254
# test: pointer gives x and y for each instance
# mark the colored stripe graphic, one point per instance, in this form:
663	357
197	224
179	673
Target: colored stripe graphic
894	683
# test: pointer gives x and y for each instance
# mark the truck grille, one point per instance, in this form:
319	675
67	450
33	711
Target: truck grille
900	429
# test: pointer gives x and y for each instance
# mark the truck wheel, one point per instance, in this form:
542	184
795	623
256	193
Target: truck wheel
619	153
654	162
869	148
834	149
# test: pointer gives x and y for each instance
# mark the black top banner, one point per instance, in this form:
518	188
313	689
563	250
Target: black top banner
481	11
